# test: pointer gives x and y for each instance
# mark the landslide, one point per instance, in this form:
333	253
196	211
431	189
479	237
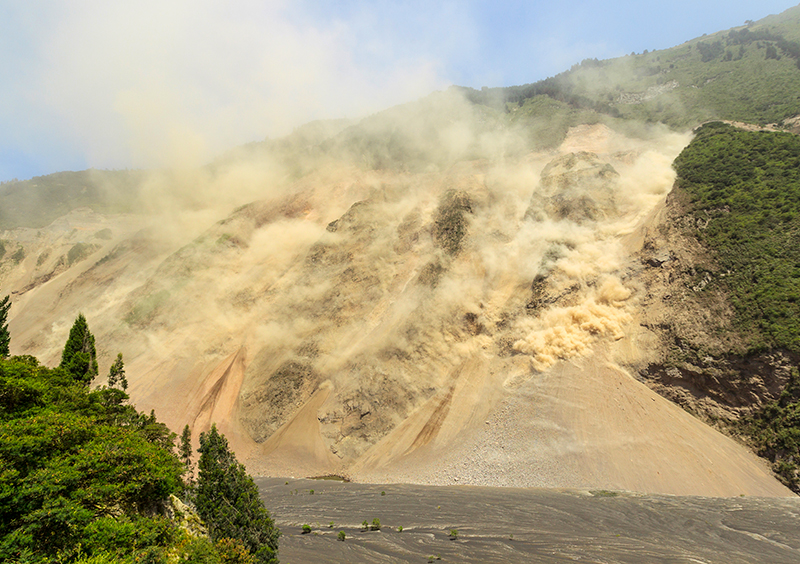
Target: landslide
468	321
722	282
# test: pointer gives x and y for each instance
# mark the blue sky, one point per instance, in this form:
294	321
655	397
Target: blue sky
93	83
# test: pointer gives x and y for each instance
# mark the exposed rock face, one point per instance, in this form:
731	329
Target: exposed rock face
699	361
478	325
576	186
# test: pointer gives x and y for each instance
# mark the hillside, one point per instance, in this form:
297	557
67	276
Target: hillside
477	287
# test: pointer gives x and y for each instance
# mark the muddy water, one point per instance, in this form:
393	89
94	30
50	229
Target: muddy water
526	525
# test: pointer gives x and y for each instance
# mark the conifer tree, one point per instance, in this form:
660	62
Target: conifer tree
5	338
186	446
228	502
185	452
116	375
79	357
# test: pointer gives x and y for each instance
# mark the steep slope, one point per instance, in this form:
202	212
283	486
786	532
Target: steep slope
749	73
722	288
456	290
372	322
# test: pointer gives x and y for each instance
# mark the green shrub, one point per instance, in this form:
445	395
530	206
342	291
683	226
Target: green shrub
18	255
78	252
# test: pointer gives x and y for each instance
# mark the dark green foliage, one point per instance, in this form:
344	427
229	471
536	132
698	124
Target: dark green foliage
775	429
185	454
18	255
84	476
227	500
116	374
745	189
5	337
79	357
78	471
78	252
185	451
747	75
745	197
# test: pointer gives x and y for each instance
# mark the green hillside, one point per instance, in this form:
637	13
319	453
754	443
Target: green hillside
37	202
744	188
750	73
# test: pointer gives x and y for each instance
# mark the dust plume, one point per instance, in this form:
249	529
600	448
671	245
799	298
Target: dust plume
420	253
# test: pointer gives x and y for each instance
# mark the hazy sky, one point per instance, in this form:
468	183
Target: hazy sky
116	84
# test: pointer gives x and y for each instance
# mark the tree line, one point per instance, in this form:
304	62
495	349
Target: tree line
85	477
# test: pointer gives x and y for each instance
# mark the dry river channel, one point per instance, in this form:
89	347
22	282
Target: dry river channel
524	525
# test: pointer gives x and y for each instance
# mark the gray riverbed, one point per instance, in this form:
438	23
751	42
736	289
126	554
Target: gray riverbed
525	525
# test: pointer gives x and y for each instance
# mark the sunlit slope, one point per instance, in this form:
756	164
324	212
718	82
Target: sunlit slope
468	324
750	73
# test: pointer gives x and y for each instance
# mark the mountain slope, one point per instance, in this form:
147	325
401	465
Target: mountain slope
446	292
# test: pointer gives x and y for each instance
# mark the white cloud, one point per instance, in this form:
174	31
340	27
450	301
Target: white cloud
150	83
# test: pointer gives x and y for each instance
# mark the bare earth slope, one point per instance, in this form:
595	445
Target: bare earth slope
473	325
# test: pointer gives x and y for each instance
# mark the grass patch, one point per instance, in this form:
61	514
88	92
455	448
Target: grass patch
745	191
146	309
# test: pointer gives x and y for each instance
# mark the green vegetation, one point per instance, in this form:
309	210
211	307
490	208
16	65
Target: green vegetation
85	477
306	529
342	535
745	199
116	374
79	358
376	524
18	255
453	534
82	471
227	500
78	252
749	74
776	432
21	202
5	336
147	308
745	190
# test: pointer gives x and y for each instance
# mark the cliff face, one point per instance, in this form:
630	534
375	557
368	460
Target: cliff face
484	322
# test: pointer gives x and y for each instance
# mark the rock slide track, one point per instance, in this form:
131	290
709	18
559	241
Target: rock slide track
480	325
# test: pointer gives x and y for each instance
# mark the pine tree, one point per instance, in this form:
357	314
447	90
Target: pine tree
5	338
186	446
228	501
79	357
116	375
185	452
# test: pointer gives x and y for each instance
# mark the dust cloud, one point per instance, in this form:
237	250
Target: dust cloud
381	256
